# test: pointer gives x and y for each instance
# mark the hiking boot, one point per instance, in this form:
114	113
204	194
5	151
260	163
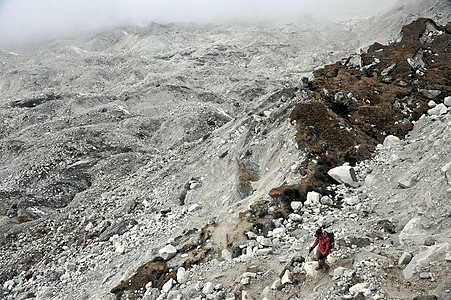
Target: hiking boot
318	268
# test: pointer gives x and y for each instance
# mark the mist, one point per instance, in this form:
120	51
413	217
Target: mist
25	21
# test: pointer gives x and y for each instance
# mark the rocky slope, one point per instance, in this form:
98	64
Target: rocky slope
139	163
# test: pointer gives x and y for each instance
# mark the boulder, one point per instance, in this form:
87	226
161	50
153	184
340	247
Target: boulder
447	101
440	109
391	141
295	218
167	252
344	174
182	275
295	205
208	288
309	268
359	288
326	200
429	241
312	199
407	181
405	258
168	285
425	256
286	278
413	232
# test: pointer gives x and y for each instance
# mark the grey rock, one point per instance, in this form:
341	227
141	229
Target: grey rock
425	275
326	200
119	228
430	94
405	258
387	79
407	182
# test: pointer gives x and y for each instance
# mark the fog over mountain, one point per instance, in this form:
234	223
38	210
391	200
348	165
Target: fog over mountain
30	20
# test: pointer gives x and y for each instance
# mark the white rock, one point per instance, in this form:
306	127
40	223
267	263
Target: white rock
432	104
265	251
286	278
295	205
182	275
352	200
266	242
89	227
313	197
309	268
413	232
359	287
440	109
279	232
447	101
425	256
245	280
391	141
9	285
120	249
343	174
295	218
168	285
208	288
251	235
167	252
326	200
338	272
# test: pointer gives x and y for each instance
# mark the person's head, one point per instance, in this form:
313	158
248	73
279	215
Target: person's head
319	232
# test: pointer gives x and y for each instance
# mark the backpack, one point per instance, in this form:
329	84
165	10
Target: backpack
330	234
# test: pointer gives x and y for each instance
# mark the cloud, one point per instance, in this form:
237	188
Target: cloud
31	20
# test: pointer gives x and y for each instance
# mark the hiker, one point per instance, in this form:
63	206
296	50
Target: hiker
323	250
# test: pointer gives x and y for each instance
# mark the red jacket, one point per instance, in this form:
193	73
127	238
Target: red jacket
324	243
